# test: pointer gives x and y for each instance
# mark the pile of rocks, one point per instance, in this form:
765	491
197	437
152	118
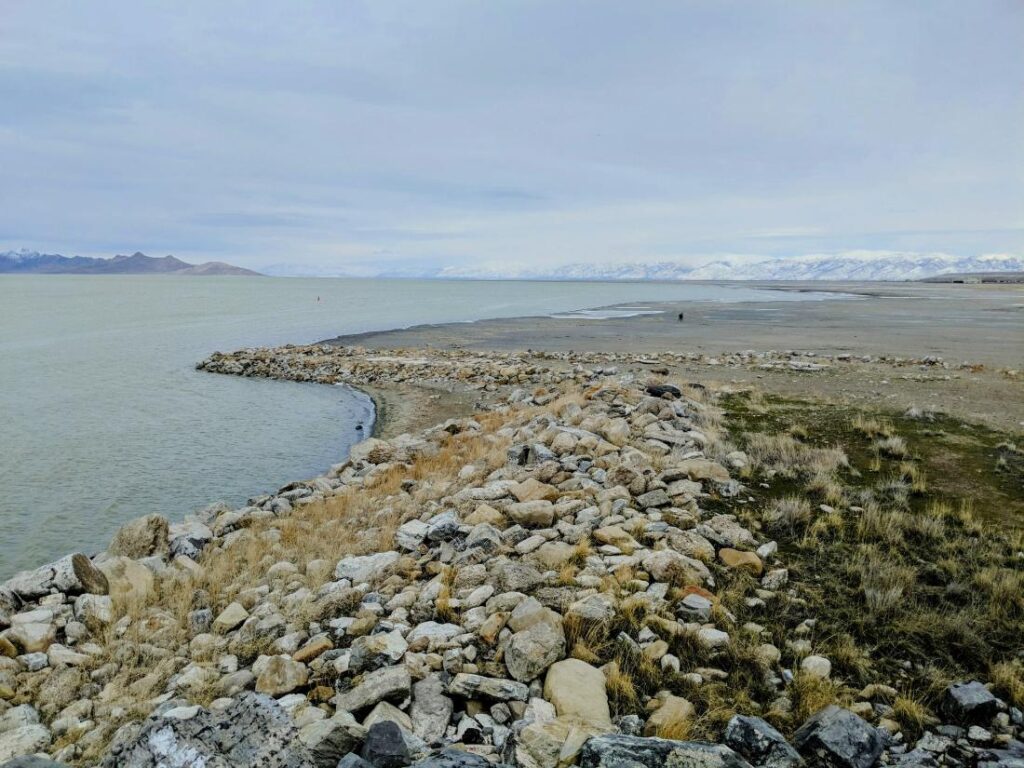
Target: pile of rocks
463	643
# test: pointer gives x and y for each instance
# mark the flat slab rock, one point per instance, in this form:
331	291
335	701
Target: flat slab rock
619	751
254	731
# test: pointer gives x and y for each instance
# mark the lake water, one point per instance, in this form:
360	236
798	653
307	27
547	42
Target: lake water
103	417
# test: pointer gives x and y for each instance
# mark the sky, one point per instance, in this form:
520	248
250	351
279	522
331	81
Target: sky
357	137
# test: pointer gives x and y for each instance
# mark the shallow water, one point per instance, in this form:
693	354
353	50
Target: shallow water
103	417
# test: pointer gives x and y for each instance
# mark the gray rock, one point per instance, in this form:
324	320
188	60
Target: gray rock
24	740
189	538
330	740
759	743
387	746
837	738
970	702
453	758
377	686
72	574
371	652
33	762
534	649
471	686
431	710
254	730
352	760
366	567
619	751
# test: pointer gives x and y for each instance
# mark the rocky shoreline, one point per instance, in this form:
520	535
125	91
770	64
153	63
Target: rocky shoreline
581	573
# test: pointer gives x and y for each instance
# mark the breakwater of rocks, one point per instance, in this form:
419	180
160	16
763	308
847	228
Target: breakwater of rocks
540	585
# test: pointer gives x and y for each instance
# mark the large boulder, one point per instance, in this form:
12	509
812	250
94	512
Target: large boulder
536	647
129	580
836	738
253	730
431	709
24	740
620	751
758	742
141	537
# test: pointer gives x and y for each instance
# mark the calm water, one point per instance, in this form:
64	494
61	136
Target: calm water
103	418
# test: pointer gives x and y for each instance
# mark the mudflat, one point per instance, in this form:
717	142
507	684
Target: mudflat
894	334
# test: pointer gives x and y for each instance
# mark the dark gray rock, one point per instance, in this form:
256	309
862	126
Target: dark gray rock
917	758
619	751
758	742
660	390
253	731
352	760
386	746
837	738
453	758
970	702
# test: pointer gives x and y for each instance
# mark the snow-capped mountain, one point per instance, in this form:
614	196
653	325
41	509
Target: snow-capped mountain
849	265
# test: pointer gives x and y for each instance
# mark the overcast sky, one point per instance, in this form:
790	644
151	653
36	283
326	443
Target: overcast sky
347	135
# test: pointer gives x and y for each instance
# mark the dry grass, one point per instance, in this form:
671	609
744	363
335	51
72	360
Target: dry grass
912	714
873	426
790	513
894	447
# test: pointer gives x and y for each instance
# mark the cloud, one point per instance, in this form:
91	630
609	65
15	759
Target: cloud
451	132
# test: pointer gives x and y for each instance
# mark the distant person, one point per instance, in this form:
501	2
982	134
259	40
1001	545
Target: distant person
680	317
317	299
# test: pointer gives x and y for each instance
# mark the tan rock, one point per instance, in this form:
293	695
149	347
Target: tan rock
485	513
532	489
577	689
278	675
671	718
554	554
612	534
230	618
141	537
735	559
704	469
312	649
537	514
129	580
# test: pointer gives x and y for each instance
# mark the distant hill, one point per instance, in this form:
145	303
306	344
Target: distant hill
34	263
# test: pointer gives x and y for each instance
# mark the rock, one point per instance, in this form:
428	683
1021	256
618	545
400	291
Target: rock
514	576
24	740
188	538
94	611
387	746
365	568
33	761
141	537
470	686
836	738
663	390
593	608
816	666
386	683
72	574
672	711
666	565
532	514
544	743
252	730
620	751
230	618
129	580
710	637
735	559
329	740
577	689
969	703
431	634
724	530
431	710
534	490
615	431
411	534
703	469
32	631
614	535
452	758
375	651
352	760
278	675
759	743
533	649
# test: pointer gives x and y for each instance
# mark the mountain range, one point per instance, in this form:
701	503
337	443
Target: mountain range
34	263
849	265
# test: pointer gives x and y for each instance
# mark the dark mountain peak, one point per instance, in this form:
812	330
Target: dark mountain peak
27	262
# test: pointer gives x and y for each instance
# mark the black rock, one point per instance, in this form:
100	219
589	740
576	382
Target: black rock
660	390
454	758
760	743
970	702
837	738
619	751
386	746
